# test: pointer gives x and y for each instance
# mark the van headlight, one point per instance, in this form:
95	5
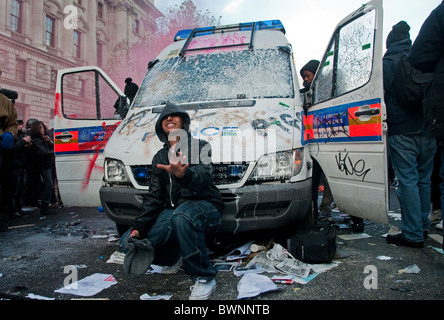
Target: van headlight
115	172
278	166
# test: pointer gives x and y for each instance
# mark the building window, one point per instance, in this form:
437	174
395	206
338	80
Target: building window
100	10
99	54
20	70
77	44
49	32
16	16
53	79
136	27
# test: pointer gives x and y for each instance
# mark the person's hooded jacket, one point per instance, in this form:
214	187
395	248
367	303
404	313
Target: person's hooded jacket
168	191
400	120
427	55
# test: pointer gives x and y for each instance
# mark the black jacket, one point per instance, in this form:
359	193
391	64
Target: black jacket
427	55
167	191
15	157
43	151
400	120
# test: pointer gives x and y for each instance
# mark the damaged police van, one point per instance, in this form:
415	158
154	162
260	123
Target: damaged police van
240	86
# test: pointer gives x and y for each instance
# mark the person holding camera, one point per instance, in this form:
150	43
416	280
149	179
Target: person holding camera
42	148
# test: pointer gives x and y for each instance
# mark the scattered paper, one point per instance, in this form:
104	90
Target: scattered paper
396	216
410	269
239	271
90	285
305	280
225	266
354	236
154	268
37	297
252	285
146	296
241	252
437	249
383	258
293	267
322	267
261	260
117	257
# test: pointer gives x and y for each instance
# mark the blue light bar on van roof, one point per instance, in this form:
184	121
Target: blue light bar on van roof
260	25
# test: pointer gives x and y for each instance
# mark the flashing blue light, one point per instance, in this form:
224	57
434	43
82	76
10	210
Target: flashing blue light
141	173
235	171
260	25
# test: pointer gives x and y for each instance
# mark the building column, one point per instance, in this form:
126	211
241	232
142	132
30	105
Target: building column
37	24
90	41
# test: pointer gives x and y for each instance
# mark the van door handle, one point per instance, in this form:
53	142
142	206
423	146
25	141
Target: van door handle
65	136
364	113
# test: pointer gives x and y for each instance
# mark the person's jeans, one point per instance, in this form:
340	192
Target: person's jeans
48	181
184	228
412	160
441	185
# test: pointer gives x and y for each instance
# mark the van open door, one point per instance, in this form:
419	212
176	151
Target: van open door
88	108
345	112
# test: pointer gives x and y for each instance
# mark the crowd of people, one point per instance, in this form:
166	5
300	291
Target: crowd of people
28	171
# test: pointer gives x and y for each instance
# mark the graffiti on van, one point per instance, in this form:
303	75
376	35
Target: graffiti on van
351	167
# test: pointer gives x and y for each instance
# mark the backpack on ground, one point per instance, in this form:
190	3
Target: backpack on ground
313	243
409	84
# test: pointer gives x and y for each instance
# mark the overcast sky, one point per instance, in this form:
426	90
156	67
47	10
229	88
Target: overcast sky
309	24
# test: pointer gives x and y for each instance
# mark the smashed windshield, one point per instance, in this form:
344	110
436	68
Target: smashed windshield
218	76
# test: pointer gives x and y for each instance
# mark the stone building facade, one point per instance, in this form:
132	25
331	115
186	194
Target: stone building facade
39	37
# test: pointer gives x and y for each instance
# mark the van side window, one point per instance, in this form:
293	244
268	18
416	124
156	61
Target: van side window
87	95
347	64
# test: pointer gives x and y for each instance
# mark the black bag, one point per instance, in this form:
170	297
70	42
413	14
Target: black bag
313	243
409	84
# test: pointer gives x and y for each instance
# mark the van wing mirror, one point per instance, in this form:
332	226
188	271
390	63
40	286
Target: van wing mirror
308	99
122	106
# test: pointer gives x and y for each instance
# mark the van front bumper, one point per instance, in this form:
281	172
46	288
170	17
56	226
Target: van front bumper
249	208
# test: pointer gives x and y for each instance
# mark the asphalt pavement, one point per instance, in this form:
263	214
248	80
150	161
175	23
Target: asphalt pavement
35	251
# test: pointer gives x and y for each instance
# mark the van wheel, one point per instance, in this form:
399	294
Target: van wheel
122	228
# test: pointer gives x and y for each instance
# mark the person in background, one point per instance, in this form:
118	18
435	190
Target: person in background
130	89
307	73
13	173
427	55
8	129
34	184
43	149
411	151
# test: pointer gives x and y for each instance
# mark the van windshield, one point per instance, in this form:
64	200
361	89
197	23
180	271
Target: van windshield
218	76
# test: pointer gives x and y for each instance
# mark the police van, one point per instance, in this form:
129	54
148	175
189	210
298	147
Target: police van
240	87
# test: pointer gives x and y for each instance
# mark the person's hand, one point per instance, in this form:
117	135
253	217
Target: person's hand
27	139
7	139
176	166
134	234
47	138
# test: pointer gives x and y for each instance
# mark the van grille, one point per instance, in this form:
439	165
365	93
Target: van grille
222	173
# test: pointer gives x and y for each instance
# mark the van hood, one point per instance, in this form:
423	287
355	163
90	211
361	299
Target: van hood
236	134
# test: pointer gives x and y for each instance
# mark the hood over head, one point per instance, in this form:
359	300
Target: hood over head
400	31
170	109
